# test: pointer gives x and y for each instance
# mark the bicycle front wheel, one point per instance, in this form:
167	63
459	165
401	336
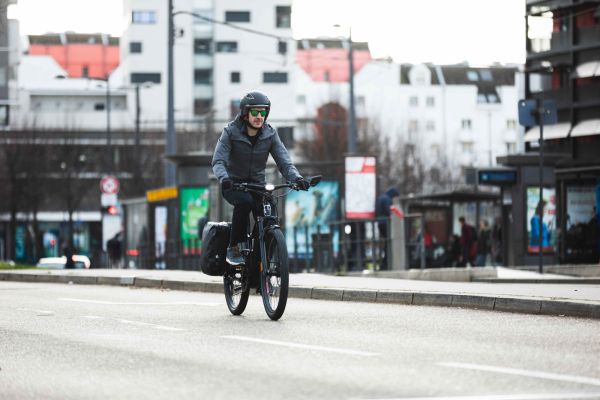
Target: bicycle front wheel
237	290
274	276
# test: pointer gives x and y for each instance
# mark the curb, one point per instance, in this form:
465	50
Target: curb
534	306
577	281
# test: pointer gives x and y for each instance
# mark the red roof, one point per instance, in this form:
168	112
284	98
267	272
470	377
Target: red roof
330	64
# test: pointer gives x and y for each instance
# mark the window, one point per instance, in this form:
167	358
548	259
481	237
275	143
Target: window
511	124
135	47
360	101
202	46
301	99
203	13
99	107
282	47
486	75
286	134
511	147
430	101
283	16
275	77
234	107
237	16
413	101
202	106
467	147
143	77
466	124
85	71
4	113
227	47
430	126
203	76
235	77
413	125
143	17
473	76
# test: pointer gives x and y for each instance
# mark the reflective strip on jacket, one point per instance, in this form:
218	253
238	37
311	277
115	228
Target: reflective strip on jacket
237	159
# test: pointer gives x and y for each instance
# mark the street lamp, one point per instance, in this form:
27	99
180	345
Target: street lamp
352	113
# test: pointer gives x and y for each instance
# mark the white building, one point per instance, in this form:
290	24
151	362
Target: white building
464	114
214	63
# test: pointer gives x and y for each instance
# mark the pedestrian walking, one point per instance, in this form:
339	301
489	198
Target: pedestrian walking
468	237
483	243
382	213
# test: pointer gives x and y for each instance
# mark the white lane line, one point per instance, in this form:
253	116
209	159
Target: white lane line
524	372
161	327
524	396
302	346
41	313
133	303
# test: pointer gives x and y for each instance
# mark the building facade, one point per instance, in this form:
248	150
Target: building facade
563	65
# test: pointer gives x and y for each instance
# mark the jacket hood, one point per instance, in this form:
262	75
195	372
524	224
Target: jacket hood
393	192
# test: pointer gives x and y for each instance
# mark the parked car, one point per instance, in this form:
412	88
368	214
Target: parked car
59	262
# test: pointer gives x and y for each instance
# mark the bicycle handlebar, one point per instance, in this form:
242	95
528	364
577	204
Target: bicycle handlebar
259	188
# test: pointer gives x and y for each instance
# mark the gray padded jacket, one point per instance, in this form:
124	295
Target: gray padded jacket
235	158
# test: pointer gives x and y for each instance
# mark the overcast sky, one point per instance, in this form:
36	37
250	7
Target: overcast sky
440	31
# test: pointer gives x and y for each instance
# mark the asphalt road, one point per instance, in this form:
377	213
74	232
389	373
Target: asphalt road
100	342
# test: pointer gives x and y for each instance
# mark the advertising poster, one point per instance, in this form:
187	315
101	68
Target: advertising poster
548	220
581	201
193	204
360	187
160	235
312	209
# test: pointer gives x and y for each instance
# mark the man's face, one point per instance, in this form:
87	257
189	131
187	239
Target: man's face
256	117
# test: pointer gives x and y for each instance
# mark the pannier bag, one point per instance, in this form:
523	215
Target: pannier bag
215	238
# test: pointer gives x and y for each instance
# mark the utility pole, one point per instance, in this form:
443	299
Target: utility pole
170	146
137	133
540	116
111	164
352	115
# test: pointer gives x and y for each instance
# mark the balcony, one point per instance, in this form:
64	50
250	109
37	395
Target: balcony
561	96
589	35
559	41
588	93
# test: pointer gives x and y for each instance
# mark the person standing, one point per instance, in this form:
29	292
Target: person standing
241	156
382	213
483	243
467	243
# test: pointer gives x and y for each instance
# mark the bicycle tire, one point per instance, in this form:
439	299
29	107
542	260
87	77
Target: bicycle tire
274	277
237	290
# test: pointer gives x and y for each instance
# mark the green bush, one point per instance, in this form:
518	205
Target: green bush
5	265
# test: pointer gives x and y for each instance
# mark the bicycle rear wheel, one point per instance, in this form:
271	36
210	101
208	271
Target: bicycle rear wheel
237	289
274	277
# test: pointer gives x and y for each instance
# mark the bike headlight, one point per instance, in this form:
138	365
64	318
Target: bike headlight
270	187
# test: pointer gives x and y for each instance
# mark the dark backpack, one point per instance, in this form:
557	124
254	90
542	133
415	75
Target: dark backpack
215	238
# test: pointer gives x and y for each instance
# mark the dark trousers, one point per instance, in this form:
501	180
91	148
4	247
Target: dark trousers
243	203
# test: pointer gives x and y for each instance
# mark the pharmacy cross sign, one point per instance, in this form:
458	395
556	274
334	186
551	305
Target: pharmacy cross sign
109	185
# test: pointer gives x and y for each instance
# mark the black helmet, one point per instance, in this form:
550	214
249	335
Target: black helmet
253	100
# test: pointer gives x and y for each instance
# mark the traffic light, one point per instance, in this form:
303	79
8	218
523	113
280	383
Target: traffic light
109	210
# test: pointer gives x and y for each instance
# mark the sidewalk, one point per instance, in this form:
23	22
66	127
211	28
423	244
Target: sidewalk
576	299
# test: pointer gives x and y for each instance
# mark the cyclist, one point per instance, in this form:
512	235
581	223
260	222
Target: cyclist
241	156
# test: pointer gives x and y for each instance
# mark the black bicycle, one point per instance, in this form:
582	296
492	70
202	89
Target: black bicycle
266	264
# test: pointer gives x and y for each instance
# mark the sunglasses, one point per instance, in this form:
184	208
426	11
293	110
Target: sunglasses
255	113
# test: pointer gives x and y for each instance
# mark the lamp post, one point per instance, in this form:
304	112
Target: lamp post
352	111
170	146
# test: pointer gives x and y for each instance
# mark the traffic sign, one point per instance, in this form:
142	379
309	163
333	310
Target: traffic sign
109	185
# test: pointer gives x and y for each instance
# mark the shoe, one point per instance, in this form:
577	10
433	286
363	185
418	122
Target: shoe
234	257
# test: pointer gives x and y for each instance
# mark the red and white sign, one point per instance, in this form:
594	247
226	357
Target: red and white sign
360	187
109	185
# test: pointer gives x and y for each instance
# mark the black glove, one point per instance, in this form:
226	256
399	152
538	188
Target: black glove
302	183
226	184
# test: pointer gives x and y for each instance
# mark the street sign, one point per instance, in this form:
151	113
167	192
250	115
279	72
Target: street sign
528	112
109	185
497	176
108	200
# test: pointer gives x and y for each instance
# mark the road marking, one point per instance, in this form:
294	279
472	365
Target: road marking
40	313
524	372
133	303
161	327
524	396
302	346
